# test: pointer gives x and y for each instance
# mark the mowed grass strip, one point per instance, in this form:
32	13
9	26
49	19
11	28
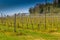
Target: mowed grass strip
23	34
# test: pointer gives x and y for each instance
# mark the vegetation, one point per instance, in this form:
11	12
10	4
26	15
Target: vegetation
30	27
34	26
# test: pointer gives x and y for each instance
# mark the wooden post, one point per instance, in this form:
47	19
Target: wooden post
22	25
32	26
15	23
27	25
45	14
38	26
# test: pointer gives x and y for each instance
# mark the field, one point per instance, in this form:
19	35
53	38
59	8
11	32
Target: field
30	28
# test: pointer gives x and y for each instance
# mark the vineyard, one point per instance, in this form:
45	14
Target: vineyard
31	25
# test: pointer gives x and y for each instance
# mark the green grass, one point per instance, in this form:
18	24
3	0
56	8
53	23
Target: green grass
22	34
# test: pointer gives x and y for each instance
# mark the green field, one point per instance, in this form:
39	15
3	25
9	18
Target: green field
25	34
30	28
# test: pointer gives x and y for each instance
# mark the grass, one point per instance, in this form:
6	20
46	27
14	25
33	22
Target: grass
25	34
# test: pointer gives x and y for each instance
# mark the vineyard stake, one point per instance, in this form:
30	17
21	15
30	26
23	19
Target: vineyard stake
15	23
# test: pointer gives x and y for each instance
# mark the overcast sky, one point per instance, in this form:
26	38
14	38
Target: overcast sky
16	6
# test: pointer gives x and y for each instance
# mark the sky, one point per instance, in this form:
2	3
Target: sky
11	7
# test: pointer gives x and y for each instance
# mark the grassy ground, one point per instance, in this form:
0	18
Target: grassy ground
6	33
